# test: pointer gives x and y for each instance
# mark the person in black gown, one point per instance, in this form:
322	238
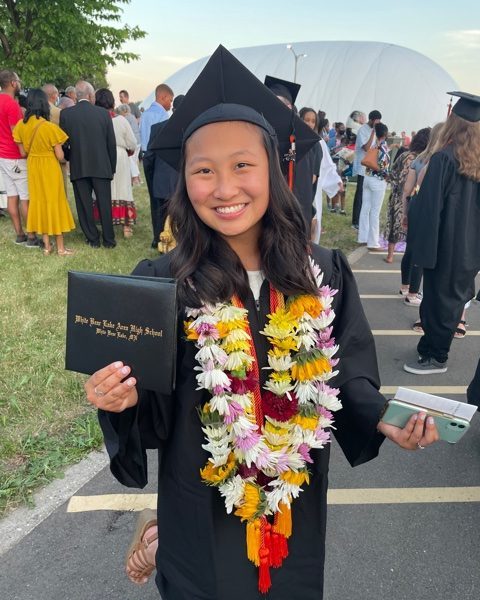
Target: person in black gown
446	240
235	218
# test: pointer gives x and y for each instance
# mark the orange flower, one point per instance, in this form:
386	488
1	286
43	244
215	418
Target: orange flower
305	304
251	502
216	475
295	478
310	369
191	333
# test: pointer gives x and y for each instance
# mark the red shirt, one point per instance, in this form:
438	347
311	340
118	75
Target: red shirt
10	115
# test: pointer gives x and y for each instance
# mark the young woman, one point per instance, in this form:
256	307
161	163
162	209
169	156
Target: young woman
246	427
374	186
41	141
446	241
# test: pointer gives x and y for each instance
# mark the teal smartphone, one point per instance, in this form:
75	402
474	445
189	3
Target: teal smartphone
450	429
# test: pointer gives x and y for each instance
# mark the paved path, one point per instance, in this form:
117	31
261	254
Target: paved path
403	526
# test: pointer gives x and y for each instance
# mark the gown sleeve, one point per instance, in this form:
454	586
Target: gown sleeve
358	378
473	391
145	426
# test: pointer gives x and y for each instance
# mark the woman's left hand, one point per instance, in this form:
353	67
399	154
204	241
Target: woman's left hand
419	432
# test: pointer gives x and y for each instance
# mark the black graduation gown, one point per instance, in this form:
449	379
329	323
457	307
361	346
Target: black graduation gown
303	188
473	391
202	550
445	241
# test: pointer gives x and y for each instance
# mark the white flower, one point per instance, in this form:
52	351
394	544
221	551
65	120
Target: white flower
324	320
210	379
244	400
329	402
236	360
220	403
228	312
307	340
280	363
282	492
242	426
329	352
306	392
278	387
317	273
211	352
233	491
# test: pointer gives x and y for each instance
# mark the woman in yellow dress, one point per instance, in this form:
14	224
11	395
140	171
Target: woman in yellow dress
41	141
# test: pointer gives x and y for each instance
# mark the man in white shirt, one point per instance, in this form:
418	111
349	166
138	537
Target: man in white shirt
365	138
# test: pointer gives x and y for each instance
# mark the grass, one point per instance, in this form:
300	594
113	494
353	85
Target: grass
45	422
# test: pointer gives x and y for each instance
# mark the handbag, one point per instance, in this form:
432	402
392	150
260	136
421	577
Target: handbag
370	160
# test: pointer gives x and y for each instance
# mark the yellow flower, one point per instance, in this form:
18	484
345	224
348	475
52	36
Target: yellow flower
310	369
225	327
278	352
281	324
305	304
251	502
306	422
281	377
295	478
285	344
237	345
216	475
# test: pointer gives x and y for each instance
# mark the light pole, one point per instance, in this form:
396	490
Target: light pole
297	58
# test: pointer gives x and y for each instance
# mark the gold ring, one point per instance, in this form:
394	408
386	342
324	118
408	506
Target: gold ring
99	393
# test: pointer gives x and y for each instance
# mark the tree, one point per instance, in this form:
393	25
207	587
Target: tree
63	40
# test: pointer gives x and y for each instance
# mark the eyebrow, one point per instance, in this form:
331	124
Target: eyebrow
207	159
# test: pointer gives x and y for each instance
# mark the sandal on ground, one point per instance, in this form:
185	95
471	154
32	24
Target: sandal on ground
65	252
417	327
47	251
460	331
137	560
127	232
388	259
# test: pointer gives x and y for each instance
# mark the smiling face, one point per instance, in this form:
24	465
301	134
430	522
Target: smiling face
227	178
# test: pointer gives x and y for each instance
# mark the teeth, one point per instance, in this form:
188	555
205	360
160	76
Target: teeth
225	210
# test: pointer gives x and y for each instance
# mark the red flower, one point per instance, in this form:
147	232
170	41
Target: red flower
281	408
242	386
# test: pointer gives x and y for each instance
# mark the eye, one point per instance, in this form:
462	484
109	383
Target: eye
203	171
242	165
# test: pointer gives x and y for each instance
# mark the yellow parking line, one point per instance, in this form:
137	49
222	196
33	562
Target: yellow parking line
404	495
391	271
137	502
381	297
410	332
428	389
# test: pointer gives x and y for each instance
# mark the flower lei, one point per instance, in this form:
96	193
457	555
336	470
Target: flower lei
259	441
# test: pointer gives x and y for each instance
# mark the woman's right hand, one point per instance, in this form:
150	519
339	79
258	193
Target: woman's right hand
107	390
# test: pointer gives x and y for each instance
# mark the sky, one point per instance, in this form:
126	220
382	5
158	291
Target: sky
181	31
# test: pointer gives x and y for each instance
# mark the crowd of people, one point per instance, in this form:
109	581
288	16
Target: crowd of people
237	174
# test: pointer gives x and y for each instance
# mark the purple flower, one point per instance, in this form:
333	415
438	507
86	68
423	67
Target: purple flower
326	290
303	449
234	411
248	442
206	331
322	411
322	435
245	471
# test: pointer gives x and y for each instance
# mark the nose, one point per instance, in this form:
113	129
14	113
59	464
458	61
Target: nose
226	187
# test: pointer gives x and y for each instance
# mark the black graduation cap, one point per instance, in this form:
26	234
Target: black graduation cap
230	92
468	107
282	87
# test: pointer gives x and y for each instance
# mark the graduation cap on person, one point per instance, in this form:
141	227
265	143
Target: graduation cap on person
226	90
468	107
282	87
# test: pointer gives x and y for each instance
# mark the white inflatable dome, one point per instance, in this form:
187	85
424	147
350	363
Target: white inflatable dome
408	88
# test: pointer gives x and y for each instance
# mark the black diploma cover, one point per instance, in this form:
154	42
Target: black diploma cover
123	318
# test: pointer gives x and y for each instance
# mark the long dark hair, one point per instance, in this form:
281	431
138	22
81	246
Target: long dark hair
304	111
203	258
37	104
